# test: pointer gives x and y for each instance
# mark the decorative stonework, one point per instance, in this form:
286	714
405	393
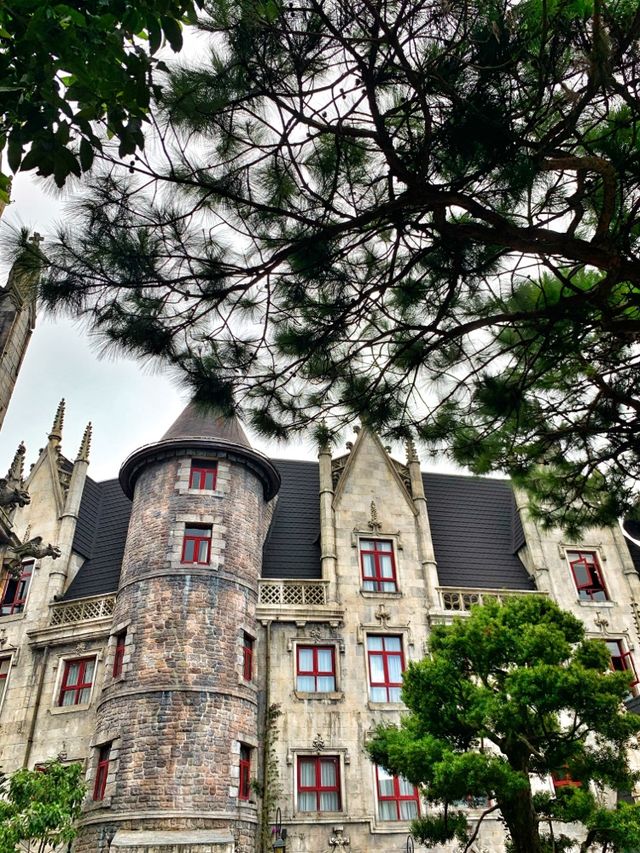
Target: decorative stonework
12	491
318	743
32	548
338	840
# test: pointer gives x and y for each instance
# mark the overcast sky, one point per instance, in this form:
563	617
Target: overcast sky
127	405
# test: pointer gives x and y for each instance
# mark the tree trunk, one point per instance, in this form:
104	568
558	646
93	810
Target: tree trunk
522	821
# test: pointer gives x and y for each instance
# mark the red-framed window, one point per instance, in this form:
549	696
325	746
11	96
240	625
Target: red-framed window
247	656
102	771
118	655
587	575
14	591
386	665
244	786
196	545
563	779
5	665
471	801
77	680
203	475
621	660
378	565
319	784
316	669
397	798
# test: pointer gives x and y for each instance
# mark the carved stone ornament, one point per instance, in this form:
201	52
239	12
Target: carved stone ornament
315	633
32	548
382	615
373	522
601	621
318	743
338	839
12	491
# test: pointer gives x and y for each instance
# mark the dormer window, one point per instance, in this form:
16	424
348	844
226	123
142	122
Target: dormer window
378	565
203	475
14	591
587	575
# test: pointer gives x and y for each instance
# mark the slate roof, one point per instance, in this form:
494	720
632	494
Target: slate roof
475	533
101	533
198	421
292	549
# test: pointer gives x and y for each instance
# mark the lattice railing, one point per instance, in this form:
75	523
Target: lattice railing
462	600
83	610
292	592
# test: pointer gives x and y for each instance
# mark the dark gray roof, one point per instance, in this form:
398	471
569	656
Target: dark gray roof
292	549
199	421
101	533
472	527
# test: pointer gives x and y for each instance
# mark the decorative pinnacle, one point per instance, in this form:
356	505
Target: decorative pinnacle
85	444
56	430
16	471
412	453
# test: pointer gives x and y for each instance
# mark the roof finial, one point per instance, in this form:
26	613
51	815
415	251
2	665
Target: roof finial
85	444
412	453
16	471
55	435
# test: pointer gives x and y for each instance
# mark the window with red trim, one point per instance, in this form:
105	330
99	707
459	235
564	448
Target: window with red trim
203	474
5	664
77	681
196	545
621	660
14	591
587	575
397	798
118	655
378	565
244	787
102	771
563	779
315	669
386	665
319	784
247	656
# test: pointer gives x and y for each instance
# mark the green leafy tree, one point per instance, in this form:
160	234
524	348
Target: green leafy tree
39	808
65	66
424	214
513	692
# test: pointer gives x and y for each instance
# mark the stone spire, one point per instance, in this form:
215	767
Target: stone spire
55	436
85	445
16	471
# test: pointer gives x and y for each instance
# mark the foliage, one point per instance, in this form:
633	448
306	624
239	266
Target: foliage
421	214
39	808
66	65
513	692
272	789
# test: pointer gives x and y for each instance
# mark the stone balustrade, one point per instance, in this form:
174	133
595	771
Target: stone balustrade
454	600
292	592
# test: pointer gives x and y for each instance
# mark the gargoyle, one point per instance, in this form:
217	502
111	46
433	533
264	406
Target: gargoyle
11	495
32	548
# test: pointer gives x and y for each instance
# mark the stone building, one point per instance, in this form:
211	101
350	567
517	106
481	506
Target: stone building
149	624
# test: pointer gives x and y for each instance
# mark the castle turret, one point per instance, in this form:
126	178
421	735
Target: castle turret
177	725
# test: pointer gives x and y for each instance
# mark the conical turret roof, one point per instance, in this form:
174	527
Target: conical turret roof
202	429
206	422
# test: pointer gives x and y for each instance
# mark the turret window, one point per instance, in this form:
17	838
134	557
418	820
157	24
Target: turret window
196	545
203	475
118	655
102	772
244	786
77	681
247	656
378	565
14	591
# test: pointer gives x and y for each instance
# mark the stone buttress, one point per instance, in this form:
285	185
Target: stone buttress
177	713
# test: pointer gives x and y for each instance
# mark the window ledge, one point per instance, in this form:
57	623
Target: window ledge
67	709
370	593
12	617
317	817
596	604
94	805
386	706
333	695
